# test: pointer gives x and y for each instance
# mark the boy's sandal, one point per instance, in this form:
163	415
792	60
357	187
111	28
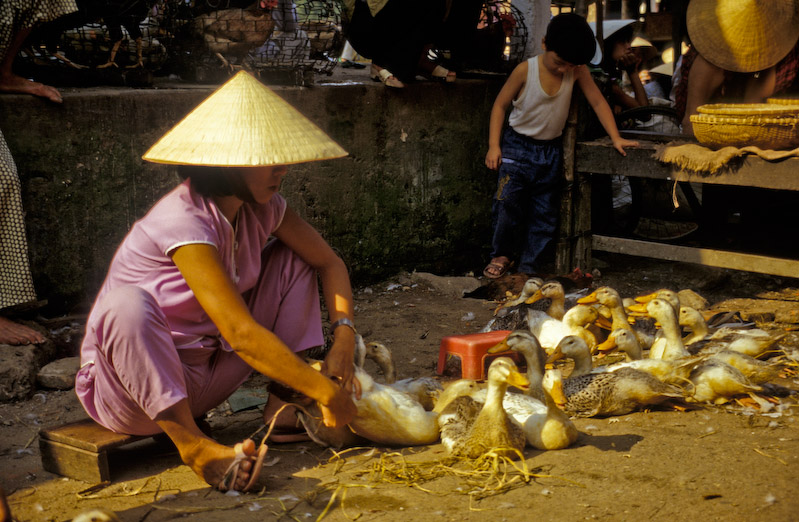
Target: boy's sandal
496	270
379	74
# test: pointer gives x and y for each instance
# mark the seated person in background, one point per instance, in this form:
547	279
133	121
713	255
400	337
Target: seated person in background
397	36
616	58
743	51
529	156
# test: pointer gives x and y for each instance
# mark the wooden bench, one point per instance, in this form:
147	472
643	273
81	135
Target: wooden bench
80	450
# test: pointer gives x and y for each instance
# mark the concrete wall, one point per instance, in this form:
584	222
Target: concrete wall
413	194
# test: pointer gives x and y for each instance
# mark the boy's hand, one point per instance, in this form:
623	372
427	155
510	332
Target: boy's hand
620	143
493	158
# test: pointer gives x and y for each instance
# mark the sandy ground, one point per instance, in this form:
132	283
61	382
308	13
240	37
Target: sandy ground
714	463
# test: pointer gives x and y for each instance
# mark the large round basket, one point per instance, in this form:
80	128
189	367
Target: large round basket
764	125
783	101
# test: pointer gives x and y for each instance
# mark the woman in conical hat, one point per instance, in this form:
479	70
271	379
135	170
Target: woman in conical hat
219	279
742	51
612	59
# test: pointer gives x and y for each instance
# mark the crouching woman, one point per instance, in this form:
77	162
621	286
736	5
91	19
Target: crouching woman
219	279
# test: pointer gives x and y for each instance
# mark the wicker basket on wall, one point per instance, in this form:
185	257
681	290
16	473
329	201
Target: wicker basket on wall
765	125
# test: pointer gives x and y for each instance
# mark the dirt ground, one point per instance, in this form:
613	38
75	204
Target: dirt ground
710	463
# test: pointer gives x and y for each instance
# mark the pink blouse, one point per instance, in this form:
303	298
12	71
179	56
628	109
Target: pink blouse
183	217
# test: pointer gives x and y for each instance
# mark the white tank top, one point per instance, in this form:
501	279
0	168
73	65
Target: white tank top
535	113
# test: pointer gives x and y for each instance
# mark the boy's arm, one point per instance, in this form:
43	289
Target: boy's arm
602	109
513	86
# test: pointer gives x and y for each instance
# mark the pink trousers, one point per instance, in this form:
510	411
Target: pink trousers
131	370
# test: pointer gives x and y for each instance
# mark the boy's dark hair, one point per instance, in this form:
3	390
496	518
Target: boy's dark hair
216	181
571	38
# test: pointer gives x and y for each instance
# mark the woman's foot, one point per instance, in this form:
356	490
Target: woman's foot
17	334
224	467
19	85
379	74
288	427
497	267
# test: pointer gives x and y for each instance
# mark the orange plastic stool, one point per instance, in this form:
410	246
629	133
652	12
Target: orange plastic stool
472	350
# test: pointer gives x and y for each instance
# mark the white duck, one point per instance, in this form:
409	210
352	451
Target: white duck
716	381
671	371
471	429
553	291
669	345
423	389
752	342
610	299
385	415
549	331
545	424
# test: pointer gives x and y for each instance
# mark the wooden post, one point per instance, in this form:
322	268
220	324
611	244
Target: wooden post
565	242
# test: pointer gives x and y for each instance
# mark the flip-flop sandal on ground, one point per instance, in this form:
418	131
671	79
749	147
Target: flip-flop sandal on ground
499	270
286	434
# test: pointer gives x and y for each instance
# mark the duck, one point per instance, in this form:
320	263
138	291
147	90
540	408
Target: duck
510	315
757	371
606	393
539	413
753	342
552	290
423	389
385	415
669	371
669	345
471	429
610	299
715	382
549	331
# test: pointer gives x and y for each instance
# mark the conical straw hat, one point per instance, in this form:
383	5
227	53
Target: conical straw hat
743	35
609	27
243	124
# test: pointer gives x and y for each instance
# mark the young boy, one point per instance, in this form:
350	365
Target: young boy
529	160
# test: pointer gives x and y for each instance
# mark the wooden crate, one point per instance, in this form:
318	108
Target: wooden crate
80	450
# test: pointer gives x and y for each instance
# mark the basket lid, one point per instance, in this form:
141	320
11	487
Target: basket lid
750	109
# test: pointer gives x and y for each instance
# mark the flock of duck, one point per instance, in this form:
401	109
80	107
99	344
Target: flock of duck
512	409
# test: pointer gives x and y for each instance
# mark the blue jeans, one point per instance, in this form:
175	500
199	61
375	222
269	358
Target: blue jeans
525	209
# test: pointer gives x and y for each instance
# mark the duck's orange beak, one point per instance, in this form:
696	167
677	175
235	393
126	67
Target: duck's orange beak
589	299
500	347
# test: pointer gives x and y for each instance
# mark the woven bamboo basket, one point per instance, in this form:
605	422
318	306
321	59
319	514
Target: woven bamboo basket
774	110
783	101
718	130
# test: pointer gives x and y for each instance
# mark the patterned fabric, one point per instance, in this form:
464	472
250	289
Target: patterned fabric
21	14
16	285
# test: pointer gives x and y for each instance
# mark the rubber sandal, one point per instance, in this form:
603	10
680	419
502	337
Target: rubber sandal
380	74
499	268
287	434
440	74
229	478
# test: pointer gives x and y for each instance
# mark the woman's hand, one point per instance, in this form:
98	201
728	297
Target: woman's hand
340	410
629	62
339	365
